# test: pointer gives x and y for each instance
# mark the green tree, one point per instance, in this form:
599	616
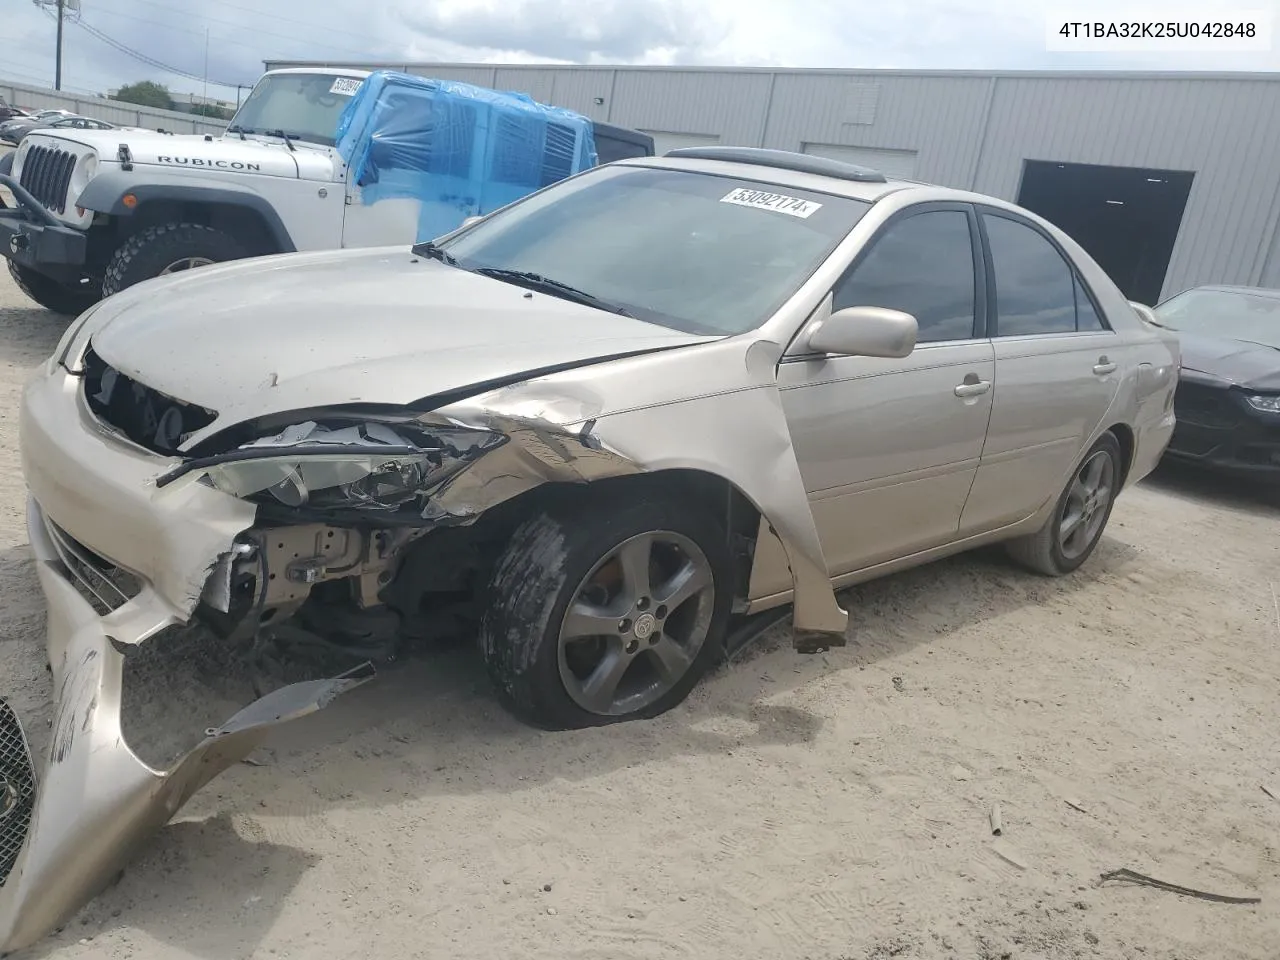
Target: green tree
146	93
211	110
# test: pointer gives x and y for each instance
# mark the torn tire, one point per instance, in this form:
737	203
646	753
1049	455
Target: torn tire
609	611
168	248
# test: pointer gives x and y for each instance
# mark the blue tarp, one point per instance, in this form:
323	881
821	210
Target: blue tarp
458	149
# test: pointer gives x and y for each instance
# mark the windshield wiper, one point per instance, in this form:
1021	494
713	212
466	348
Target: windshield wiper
287	138
429	249
536	281
238	129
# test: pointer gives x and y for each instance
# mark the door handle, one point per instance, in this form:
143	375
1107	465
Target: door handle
972	388
1103	367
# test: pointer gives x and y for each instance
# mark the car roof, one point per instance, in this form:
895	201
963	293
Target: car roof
802	177
1268	292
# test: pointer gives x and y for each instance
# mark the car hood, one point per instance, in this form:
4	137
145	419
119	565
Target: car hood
381	326
1250	365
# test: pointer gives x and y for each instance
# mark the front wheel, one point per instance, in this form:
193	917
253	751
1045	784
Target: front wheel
49	293
608	613
1074	528
168	248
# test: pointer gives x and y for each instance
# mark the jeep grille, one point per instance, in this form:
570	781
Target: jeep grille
46	174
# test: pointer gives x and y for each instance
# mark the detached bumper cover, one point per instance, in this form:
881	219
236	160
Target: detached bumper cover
96	800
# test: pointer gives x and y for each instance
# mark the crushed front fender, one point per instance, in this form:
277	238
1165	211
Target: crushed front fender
96	800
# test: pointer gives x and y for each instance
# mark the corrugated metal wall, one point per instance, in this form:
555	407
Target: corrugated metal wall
974	131
112	111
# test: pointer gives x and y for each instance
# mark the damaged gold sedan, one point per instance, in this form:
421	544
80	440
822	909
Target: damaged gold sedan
595	430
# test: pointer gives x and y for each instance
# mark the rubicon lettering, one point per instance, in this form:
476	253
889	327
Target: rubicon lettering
201	162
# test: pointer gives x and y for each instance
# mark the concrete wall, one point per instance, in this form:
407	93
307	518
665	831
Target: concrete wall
970	130
112	111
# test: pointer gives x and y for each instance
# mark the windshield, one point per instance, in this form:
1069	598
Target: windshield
1233	314
306	106
700	253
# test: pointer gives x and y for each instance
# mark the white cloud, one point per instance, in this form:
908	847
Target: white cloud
912	34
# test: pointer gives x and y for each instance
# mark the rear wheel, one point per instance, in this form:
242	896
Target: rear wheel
52	295
607	614
1074	528
168	248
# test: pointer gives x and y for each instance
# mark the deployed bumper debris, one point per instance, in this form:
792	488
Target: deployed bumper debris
63	840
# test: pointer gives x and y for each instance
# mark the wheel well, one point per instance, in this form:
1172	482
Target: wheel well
714	493
1128	444
247	225
443	575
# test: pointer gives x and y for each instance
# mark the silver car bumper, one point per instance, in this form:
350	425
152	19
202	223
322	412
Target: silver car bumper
68	831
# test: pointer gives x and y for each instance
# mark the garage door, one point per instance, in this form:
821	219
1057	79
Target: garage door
892	163
663	141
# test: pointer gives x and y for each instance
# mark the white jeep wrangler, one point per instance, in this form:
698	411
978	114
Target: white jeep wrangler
98	211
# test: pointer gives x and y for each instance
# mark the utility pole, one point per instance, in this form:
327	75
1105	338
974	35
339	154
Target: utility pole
205	94
57	74
62	8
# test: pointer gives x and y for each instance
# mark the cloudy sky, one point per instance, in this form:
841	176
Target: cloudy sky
120	41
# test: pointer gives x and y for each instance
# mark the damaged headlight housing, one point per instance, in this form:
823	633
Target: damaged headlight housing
370	466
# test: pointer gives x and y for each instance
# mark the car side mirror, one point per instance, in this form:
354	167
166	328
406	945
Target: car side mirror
1145	312
865	332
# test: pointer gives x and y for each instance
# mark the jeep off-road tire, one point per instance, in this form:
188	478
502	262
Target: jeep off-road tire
1045	551
168	248
52	295
543	662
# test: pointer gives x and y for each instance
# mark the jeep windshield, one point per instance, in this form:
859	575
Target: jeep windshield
301	106
696	252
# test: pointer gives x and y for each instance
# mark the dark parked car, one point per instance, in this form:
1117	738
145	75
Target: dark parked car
10	130
8	112
1228	398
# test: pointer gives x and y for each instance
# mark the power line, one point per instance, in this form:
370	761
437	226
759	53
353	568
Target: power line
149	60
175	27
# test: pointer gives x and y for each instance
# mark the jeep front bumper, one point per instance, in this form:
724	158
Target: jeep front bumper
32	237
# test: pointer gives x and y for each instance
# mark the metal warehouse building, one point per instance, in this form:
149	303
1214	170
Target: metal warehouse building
1169	179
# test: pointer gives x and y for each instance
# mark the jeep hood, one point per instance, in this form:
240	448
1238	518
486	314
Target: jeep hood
385	326
186	151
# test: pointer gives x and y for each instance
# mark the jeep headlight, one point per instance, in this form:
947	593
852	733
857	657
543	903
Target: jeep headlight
378	467
1265	402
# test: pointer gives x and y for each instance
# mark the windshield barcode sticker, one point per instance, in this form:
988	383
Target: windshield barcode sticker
347	86
792	206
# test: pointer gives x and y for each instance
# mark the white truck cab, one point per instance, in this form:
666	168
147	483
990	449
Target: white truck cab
99	211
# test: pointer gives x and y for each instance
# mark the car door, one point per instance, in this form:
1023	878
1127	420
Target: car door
888	448
1058	367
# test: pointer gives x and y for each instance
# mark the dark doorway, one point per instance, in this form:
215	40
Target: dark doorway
1126	217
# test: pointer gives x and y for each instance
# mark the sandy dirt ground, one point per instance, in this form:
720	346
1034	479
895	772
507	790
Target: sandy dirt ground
823	808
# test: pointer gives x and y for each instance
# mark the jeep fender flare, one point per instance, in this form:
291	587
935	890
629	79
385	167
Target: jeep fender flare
105	194
6	163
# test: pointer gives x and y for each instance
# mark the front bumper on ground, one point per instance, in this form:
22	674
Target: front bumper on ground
95	798
32	237
1217	430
